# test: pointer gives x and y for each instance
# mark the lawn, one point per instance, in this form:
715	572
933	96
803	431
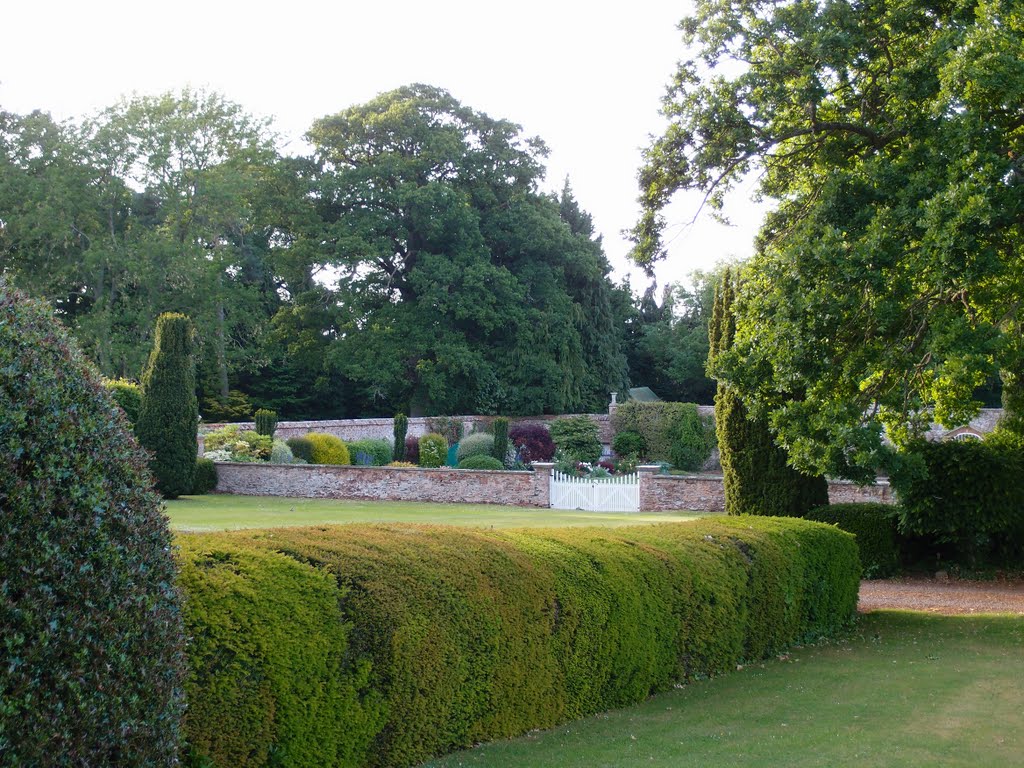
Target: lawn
902	689
221	512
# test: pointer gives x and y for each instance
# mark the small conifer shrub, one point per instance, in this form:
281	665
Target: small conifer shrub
265	422
401	426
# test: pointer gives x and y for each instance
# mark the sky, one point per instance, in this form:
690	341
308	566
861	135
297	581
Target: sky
587	80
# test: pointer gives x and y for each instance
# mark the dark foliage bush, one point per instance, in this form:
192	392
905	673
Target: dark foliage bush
459	636
169	417
756	474
91	641
481	461
128	395
206	477
433	450
874	526
400	427
533	442
233	408
412	450
965	497
377	451
500	431
630	444
302	448
577	438
692	439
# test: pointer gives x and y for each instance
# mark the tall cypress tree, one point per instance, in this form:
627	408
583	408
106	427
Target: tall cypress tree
169	416
757	478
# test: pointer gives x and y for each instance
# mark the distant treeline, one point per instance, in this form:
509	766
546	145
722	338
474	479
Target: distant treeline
409	263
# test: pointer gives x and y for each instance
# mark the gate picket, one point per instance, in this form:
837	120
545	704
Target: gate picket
619	493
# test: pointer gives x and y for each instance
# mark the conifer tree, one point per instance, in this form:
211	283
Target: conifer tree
169	416
757	478
400	426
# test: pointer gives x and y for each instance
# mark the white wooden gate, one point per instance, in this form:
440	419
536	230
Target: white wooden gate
619	493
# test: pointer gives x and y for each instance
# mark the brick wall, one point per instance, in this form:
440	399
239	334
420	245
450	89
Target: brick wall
705	493
699	493
453	486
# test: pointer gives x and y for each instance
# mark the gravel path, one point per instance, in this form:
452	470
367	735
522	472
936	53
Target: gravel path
943	596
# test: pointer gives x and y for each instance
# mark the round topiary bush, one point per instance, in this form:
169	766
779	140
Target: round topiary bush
327	449
480	461
91	655
478	444
301	447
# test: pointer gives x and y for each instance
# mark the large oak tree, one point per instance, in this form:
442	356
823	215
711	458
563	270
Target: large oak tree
887	283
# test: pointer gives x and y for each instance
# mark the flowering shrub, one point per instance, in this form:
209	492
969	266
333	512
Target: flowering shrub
569	466
433	450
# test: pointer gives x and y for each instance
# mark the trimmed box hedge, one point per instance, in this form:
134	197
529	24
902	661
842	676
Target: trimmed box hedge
874	525
400	642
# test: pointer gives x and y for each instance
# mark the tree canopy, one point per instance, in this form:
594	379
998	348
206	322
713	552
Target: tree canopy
411	261
466	290
886	285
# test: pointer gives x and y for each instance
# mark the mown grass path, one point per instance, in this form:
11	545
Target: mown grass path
218	512
901	689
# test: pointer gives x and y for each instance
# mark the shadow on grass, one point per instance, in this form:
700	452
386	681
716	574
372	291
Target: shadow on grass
899	689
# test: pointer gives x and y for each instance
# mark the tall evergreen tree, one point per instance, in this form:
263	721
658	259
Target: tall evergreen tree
756	475
169	417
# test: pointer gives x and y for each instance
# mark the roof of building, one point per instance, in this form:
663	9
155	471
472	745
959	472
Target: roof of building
643	395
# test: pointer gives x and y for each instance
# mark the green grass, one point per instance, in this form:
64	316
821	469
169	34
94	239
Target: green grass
222	512
902	689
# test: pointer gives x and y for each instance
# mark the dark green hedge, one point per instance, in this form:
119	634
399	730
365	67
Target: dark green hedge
964	499
874	525
461	636
91	643
206	477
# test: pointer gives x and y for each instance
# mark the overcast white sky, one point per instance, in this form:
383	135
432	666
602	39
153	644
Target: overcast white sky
587	80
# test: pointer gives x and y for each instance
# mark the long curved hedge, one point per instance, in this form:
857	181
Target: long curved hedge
385	645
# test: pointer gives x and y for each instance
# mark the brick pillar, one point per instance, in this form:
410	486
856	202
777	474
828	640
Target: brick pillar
542	479
646	473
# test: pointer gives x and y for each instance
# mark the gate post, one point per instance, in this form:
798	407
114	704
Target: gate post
646	473
542	470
